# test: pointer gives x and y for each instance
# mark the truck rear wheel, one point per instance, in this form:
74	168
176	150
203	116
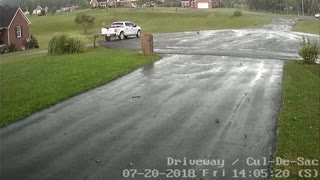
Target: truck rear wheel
121	35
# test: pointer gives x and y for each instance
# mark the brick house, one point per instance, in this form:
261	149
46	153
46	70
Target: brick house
200	4
14	27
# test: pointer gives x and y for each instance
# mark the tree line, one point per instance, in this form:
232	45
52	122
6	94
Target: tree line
276	6
52	4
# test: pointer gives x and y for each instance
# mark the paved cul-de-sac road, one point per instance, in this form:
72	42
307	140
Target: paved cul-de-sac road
211	105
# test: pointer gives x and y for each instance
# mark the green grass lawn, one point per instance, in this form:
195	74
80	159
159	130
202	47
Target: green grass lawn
31	83
299	124
152	20
17	53
308	26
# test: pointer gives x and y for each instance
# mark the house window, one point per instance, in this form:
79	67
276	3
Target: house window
18	31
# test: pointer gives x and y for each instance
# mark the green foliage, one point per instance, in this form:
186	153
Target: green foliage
237	13
151	20
30	7
141	2
170	3
84	4
75	43
42	13
307	25
84	20
315	7
3	50
309	51
53	10
278	6
57	44
298	126
33	42
31	83
66	44
12	48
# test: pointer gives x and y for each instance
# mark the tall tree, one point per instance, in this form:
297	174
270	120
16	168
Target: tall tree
315	6
83	4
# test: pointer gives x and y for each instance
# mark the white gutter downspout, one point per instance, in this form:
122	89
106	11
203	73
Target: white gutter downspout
8	36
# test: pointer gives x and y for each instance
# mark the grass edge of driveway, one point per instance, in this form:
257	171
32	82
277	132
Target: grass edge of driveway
299	122
30	84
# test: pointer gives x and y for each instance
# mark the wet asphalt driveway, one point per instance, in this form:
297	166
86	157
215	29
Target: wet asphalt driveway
214	96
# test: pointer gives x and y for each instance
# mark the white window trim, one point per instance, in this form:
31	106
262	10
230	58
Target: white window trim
19	35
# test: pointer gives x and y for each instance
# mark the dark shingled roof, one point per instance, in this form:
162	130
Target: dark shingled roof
6	15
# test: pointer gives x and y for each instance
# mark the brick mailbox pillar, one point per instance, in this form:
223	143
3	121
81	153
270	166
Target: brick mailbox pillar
147	44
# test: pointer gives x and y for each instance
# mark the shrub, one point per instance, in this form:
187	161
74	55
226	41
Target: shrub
42	13
309	51
3	49
237	13
57	44
66	44
53	10
12	48
75	43
33	42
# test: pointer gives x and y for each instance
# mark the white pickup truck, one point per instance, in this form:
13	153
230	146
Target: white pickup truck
121	29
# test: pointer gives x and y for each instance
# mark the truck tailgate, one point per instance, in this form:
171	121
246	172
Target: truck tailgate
107	31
